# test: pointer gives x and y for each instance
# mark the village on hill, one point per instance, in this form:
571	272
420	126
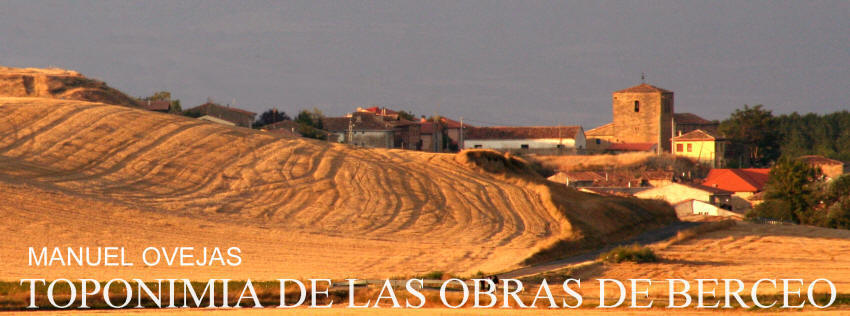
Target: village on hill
696	181
329	195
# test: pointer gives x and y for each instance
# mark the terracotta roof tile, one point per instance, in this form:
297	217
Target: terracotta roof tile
820	160
226	108
644	88
377	110
737	180
363	121
695	135
158	105
604	130
708	189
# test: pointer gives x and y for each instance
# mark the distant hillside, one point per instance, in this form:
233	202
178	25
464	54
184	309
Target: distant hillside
58	84
78	173
311	200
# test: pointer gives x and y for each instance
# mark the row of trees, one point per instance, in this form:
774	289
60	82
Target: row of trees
309	122
796	192
758	138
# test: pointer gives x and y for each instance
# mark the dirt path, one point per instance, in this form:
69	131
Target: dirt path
642	239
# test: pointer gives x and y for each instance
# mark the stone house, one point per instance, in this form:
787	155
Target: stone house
365	129
830	168
689	208
236	116
156	105
678	192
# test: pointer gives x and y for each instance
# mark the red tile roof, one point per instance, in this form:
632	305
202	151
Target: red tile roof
363	121
377	110
631	147
523	132
604	130
657	175
158	105
426	127
713	190
695	135
819	160
737	180
643	88
450	123
222	107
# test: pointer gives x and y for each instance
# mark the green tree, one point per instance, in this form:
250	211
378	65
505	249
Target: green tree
310	124
754	129
404	115
175	107
159	96
792	193
165	96
310	118
271	116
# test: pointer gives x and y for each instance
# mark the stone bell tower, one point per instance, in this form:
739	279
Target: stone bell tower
643	114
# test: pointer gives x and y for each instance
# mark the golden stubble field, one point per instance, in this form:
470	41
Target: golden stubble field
447	312
80	174
748	252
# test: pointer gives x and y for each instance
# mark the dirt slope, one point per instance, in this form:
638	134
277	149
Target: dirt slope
75	173
60	84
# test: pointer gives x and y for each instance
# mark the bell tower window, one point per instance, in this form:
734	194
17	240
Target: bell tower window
637	106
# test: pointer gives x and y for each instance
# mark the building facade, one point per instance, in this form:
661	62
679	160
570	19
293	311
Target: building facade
236	116
643	114
550	140
702	147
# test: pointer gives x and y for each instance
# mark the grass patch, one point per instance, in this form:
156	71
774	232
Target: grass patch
433	275
692	232
634	253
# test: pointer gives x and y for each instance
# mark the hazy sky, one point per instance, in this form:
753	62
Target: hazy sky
498	62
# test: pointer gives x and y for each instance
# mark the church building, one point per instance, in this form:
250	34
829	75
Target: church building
643	117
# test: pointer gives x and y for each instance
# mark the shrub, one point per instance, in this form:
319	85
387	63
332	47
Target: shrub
634	253
433	275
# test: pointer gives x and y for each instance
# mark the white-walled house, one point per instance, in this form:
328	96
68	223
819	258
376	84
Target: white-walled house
533	139
676	193
696	207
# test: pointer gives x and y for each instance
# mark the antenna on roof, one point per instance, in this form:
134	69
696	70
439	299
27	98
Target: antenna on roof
642	77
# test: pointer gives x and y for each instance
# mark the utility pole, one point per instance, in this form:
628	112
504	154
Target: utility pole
350	131
461	134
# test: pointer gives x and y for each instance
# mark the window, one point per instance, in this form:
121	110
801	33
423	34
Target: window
598	141
560	146
523	146
637	106
690	147
478	146
679	148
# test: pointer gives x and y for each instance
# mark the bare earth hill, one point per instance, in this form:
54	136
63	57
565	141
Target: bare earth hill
75	173
60	84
